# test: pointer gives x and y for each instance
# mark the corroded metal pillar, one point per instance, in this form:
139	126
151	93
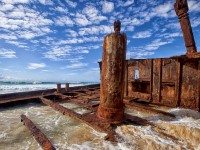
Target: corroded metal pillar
66	86
59	87
181	8
111	108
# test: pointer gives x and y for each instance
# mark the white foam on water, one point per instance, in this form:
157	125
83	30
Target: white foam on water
66	133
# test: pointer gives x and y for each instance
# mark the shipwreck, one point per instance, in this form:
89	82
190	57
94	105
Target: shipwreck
133	83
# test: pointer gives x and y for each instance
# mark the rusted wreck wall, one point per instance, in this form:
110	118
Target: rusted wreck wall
171	82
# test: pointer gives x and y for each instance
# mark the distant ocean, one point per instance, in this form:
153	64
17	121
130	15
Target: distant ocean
16	86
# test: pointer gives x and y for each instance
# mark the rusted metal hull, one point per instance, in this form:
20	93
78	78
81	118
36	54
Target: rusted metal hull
38	135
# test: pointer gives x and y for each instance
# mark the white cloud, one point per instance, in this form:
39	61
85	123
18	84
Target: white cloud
7	53
155	44
139	54
128	2
142	34
64	20
71	3
107	7
194	6
101	29
16	1
33	66
58	53
76	65
195	22
81	20
93	14
164	10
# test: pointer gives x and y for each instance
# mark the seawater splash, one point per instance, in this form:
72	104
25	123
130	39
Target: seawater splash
181	132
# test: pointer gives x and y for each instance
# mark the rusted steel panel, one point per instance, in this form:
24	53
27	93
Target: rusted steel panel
189	88
111	106
156	84
144	69
169	70
181	8
38	135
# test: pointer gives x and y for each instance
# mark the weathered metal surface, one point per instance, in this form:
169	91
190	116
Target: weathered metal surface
111	108
179	86
38	135
181	8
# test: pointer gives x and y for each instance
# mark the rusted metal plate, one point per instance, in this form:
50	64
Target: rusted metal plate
38	135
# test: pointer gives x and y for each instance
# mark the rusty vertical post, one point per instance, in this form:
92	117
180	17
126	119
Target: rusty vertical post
58	87
160	81
181	8
111	108
199	86
126	79
178	83
151	80
66	86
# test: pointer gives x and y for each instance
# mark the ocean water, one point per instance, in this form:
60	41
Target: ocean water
11	87
65	133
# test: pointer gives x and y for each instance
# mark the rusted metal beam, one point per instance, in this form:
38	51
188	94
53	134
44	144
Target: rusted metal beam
160	81
38	135
111	108
145	108
181	8
178	83
90	119
141	95
151	80
126	79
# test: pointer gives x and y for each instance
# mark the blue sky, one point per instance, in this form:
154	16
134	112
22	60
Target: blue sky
61	40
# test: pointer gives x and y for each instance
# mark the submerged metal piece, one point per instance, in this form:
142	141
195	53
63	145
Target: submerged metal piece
111	108
38	135
88	118
181	8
